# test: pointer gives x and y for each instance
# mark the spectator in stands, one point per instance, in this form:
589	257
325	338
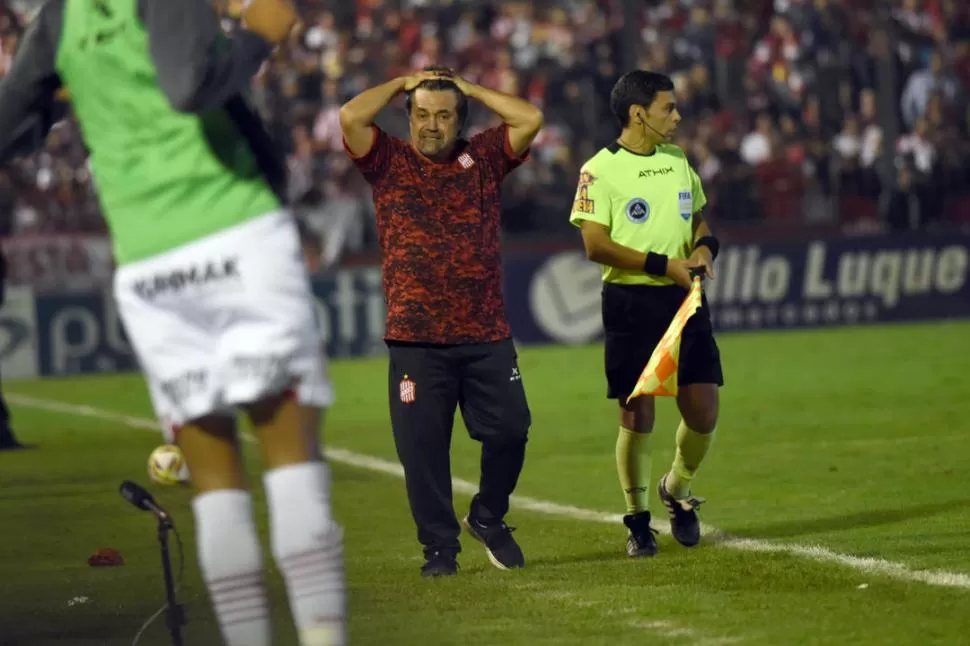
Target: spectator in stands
737	64
757	145
922	85
906	207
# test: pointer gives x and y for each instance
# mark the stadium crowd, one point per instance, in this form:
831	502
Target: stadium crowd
783	114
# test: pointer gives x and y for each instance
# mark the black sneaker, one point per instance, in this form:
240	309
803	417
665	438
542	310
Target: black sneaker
684	524
8	441
501	548
642	540
440	563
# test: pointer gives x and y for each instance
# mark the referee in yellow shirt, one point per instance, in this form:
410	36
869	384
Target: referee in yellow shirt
638	206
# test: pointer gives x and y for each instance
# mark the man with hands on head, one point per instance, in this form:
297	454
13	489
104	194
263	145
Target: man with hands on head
438	209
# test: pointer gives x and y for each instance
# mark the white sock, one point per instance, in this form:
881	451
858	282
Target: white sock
307	544
232	566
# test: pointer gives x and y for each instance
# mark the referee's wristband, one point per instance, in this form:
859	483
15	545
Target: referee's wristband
656	264
711	243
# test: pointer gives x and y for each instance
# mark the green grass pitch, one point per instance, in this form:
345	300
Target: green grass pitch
833	447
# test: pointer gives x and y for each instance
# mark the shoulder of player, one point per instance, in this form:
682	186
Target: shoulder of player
672	150
388	138
384	143
601	162
490	141
48	20
598	167
674	154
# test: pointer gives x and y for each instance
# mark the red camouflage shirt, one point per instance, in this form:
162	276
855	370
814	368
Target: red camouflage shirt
439	227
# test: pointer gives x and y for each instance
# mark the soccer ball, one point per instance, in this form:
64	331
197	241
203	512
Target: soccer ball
166	465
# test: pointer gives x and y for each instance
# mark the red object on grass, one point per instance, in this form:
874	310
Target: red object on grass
106	557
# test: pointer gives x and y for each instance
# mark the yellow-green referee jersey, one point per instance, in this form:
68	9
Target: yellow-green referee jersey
646	201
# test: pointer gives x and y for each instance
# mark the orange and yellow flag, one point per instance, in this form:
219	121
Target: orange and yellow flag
659	377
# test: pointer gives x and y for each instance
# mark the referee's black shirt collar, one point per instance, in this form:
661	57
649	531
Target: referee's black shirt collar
616	147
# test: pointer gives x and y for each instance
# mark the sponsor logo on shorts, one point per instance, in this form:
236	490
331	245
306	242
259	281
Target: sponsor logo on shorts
174	282
180	388
265	367
408	390
516	375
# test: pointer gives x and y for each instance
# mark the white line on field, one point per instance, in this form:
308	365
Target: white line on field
870	566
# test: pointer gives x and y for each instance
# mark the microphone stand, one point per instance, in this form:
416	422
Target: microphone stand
174	616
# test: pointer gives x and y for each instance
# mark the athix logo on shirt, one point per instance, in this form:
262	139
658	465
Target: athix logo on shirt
465	161
658	172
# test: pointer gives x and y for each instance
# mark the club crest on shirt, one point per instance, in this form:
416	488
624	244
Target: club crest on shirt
465	161
637	210
408	390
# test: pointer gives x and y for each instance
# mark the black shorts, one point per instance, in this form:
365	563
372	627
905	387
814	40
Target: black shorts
427	382
635	318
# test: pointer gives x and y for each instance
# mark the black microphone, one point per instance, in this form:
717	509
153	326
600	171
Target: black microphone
139	497
655	131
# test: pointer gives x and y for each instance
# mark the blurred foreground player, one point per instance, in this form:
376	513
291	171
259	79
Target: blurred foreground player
8	442
210	284
438	215
639	208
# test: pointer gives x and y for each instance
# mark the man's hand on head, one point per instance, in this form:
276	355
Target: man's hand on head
463	86
440	73
414	80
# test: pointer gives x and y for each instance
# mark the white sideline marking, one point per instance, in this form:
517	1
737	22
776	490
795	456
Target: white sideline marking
816	553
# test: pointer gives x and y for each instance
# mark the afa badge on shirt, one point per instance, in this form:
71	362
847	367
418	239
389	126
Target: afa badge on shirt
637	210
685	202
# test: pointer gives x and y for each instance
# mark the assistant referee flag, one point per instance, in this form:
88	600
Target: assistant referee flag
659	377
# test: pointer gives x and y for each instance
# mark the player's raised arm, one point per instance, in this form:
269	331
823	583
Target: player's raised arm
523	119
27	93
357	115
199	67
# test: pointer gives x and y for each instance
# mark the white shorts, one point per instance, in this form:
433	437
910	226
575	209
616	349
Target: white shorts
225	321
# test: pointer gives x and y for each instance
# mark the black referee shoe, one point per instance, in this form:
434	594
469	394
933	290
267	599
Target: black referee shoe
642	540
684	525
439	563
500	547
